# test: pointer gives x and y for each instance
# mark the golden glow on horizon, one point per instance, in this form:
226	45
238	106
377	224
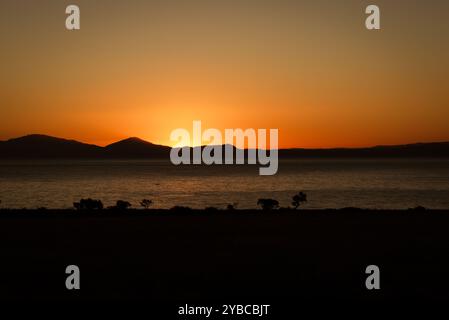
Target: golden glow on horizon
308	68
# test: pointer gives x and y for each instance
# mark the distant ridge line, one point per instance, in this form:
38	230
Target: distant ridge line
44	146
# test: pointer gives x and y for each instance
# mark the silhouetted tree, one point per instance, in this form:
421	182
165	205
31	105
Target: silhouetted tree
146	204
268	204
180	208
232	206
298	199
418	208
122	205
88	204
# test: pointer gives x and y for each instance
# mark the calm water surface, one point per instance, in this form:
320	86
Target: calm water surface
328	183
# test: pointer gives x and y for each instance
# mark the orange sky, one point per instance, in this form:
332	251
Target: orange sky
308	68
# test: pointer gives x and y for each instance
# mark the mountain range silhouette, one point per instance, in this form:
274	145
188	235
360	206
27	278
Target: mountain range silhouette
43	146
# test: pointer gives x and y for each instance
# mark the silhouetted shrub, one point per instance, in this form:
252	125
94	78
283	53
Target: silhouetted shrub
180	208
122	205
418	208
210	209
298	199
146	204
350	209
231	206
88	204
268	204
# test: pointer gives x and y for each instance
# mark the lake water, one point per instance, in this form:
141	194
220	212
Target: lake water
328	183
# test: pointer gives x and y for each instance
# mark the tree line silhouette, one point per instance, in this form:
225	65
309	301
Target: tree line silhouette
266	204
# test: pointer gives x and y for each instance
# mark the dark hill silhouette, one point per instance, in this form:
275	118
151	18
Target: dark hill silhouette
42	146
417	150
136	148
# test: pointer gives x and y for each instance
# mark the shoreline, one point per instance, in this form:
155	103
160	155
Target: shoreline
258	256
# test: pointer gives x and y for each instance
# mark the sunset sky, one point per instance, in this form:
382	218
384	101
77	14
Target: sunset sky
309	68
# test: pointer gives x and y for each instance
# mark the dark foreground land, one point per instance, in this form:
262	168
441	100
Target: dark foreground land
224	257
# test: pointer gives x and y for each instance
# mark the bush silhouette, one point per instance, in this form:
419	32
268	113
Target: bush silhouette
231	206
122	205
418	208
146	204
268	204
180	208
299	198
88	204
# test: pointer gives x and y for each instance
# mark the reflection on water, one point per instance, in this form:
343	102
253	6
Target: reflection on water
328	183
